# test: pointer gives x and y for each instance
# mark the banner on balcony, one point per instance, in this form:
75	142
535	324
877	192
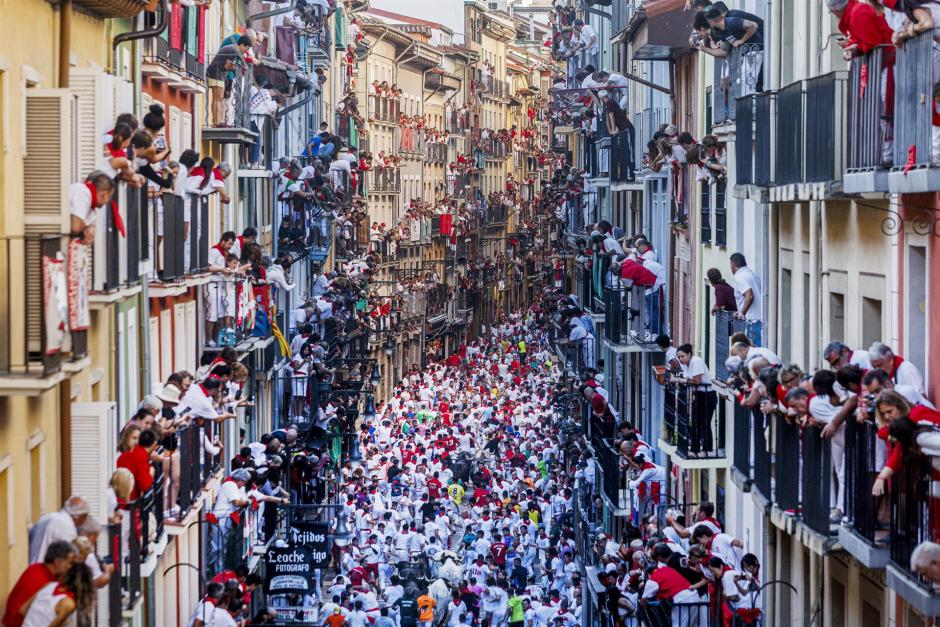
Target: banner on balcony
313	536
56	310
573	100
290	571
79	281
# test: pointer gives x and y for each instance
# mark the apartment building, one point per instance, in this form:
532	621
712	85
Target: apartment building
838	234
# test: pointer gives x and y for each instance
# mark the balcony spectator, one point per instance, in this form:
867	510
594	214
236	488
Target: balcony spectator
746	34
218	305
748	296
696	375
585	39
739	589
901	372
724	294
877	381
220	71
55	526
262	105
925	561
137	461
619	127
200	402
829	411
68	601
838	355
204	614
890	407
226	514
57	561
100	573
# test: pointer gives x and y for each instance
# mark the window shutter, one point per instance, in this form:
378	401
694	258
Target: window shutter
166	344
94	100
175	133
179	334
95	429
186	135
48	141
154	331
145	101
189	360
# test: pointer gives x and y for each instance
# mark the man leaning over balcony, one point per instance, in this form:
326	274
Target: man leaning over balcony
746	33
85	199
620	128
222	65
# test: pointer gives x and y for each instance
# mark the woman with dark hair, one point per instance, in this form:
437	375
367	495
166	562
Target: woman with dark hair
68	602
116	163
704	400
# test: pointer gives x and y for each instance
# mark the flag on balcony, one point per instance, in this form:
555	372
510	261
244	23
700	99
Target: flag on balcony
176	26
53	286
447	223
78	277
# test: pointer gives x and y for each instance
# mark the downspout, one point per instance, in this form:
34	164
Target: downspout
138	35
65	37
297	105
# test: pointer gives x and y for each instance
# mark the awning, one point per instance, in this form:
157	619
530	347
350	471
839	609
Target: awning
665	31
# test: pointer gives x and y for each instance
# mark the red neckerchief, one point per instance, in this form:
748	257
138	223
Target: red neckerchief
115	212
898	360
115	152
204	391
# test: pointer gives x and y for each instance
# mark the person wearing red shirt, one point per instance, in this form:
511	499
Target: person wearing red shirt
137	460
633	272
58	559
434	486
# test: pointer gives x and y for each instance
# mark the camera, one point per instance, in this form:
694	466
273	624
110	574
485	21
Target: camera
870	407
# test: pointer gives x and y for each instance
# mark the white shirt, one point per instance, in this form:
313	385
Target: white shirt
695	367
205	612
822	410
50	528
589	35
200	405
80	201
744	281
224	502
908	374
656	268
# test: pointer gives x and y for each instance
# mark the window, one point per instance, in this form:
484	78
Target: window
871	321
786	313
37	480
837	316
916	306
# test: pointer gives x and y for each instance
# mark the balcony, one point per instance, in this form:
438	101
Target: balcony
646	123
436	153
626	316
386	181
687	432
495	215
915	164
180	68
495	149
591	300
864	531
867	163
622	168
456	122
496	88
810	143
234	302
730	83
34	310
726	325
384	109
116	257
229	121
183	249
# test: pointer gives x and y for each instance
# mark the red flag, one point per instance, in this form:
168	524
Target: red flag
862	81
911	158
118	220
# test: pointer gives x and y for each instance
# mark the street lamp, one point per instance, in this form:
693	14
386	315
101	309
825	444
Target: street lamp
390	346
355	456
341	533
369	413
376	376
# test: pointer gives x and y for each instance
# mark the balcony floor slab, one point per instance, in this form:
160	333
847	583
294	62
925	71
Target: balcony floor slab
915	181
865	182
903	583
871	556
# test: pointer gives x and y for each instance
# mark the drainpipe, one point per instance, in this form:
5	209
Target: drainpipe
65	36
297	105
138	35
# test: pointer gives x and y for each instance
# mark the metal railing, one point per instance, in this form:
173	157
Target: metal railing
760	449
764	138
866	106
33	303
787	464
386	181
817	476
735	76
790	129
236	103
384	108
436	153
646	123
699	427
913	512
861	507
744	140
625	314
231	302
825	122
622	168
457	122
741	434
726	325
913	102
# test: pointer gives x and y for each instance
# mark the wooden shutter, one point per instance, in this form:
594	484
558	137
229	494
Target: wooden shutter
145	101
95	116
179	334
189	361
156	374
175	132
166	344
94	430
186	134
48	141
